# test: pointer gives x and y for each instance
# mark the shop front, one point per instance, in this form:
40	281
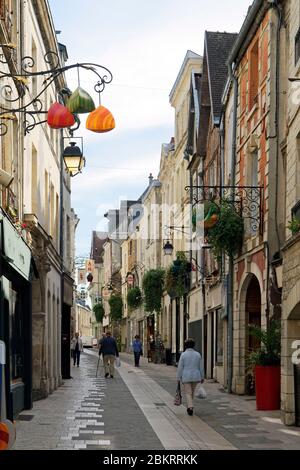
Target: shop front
15	317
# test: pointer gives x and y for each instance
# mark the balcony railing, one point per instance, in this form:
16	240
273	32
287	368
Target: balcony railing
247	201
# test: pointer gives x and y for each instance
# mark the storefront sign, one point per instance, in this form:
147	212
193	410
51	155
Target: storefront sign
17	253
130	279
90	266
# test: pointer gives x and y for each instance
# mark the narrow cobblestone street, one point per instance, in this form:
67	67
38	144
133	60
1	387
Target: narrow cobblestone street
135	411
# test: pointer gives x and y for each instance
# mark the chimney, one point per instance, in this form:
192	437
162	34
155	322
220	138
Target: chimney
150	179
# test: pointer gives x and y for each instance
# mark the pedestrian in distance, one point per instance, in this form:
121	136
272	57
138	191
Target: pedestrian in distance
109	350
190	372
137	350
76	349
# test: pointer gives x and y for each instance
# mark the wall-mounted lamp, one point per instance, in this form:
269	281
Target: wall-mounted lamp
73	158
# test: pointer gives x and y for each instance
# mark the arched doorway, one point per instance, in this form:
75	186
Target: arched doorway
253	317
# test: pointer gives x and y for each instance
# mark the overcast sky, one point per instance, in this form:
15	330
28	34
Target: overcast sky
143	43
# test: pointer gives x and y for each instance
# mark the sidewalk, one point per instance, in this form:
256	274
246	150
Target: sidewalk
234	417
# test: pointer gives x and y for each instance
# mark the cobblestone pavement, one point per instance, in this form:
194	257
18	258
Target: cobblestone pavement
135	411
234	417
86	413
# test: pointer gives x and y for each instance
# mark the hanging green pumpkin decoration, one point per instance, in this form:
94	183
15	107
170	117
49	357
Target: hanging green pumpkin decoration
80	102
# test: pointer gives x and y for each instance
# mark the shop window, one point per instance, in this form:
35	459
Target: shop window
254	76
220	335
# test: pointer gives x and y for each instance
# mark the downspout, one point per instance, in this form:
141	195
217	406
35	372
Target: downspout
234	81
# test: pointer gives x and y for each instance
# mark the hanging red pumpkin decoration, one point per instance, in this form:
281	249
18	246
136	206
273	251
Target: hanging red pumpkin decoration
100	120
59	117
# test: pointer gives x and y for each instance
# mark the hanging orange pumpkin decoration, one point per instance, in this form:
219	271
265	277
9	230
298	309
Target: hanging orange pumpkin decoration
59	117
100	120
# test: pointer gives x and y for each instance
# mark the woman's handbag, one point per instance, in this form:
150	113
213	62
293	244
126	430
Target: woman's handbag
200	392
178	396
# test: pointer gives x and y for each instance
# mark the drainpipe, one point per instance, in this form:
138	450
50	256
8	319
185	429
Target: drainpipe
234	81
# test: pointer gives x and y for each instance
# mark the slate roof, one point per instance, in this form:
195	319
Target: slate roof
217	48
98	240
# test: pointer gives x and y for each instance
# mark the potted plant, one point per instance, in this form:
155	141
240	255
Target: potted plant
294	225
265	362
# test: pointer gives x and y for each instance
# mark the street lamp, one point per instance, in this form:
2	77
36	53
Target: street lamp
168	248
73	158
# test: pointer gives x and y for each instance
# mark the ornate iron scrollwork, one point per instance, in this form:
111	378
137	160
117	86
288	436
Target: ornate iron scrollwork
51	58
247	200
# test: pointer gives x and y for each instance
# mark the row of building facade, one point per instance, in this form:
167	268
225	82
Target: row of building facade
36	218
236	134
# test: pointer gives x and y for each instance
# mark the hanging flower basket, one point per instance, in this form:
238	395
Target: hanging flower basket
99	312
59	117
153	282
101	120
226	235
80	102
116	307
134	298
177	277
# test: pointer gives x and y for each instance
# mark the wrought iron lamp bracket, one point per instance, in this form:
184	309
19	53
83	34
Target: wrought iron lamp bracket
35	104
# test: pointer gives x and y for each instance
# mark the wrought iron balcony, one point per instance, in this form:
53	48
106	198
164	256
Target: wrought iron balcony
247	201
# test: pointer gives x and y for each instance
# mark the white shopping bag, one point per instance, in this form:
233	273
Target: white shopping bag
118	362
200	392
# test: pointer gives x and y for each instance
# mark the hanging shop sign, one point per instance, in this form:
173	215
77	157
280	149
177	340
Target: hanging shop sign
130	279
17	253
90	266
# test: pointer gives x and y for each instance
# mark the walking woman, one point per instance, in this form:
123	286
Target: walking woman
190	372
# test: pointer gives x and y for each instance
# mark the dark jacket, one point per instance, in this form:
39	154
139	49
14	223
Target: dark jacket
108	346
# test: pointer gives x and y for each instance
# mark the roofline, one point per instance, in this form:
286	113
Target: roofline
243	35
188	56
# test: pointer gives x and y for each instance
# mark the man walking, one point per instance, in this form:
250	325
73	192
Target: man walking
137	350
109	350
76	348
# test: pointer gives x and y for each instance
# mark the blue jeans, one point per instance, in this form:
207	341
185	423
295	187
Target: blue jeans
137	356
76	357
